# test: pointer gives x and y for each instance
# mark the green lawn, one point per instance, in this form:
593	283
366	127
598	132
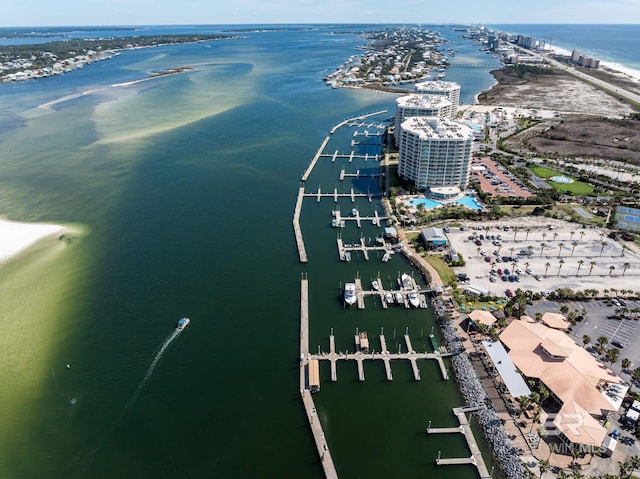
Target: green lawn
443	269
577	188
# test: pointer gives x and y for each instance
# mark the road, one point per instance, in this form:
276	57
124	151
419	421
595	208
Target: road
620	92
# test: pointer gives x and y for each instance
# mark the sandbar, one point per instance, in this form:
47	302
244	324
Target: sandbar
16	237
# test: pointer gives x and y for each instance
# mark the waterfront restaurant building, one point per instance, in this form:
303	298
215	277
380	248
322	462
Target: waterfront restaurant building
435	154
420	105
585	390
448	89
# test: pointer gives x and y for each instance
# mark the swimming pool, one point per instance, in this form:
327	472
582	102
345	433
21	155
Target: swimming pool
426	202
561	179
469	202
429	204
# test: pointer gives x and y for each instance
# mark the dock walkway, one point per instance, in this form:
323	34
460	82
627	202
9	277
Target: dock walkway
464	428
314	421
302	252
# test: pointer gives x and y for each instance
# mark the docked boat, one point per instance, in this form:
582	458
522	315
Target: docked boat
350	293
407	282
414	300
388	297
386	257
399	298
182	324
375	285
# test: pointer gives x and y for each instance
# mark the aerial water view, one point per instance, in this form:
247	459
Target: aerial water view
302	241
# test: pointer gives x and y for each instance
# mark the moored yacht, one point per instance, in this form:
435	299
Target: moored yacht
350	293
414	300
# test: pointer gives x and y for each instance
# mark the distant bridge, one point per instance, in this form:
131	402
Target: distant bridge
491	66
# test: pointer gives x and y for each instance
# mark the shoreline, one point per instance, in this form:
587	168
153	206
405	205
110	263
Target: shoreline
17	237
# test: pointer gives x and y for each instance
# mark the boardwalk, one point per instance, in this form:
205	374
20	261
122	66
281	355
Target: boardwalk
307	399
302	252
464	428
305	177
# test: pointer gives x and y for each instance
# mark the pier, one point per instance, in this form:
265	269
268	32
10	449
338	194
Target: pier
360	357
357	174
302	252
305	177
375	219
314	421
335	195
464	428
362	247
352	120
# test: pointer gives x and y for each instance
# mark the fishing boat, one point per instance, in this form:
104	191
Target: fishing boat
350	293
375	285
182	324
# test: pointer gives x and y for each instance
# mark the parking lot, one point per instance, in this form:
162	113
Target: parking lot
556	254
596	323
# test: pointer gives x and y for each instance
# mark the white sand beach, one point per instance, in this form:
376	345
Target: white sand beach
16	237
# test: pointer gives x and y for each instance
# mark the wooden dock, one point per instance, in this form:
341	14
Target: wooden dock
305	177
360	357
464	428
302	252
335	195
359	294
314	421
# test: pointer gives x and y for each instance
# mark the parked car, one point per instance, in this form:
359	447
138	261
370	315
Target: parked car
508	292
487	259
478	243
617	344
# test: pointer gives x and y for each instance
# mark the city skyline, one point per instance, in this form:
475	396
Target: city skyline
170	12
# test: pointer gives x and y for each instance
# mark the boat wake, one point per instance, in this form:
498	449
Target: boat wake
160	351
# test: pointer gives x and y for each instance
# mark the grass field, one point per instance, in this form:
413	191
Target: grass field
577	188
443	269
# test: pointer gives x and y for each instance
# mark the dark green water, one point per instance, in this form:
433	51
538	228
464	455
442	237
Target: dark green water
184	188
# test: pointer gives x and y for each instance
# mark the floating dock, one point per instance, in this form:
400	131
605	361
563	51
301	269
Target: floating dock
360	357
464	428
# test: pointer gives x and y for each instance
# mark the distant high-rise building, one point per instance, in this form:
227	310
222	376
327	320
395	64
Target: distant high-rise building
448	89
420	105
435	154
575	56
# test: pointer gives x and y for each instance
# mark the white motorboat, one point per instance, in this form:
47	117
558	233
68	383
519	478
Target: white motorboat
350	293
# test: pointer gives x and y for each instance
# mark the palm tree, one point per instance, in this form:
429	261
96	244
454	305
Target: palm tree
515	232
544	466
626	363
586	339
555	235
571	234
580	263
542	247
563	475
602	341
530	248
592	264
576	474
512	249
603	244
561	245
625	266
561	262
635	463
573	246
528	230
612	355
478	249
538	316
581	235
546	267
611	268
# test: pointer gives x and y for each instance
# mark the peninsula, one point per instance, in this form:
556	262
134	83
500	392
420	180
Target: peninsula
39	60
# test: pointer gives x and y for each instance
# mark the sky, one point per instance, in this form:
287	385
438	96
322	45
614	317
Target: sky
172	12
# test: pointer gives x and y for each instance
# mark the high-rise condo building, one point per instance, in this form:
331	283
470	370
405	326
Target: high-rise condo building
435	154
419	105
447	89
